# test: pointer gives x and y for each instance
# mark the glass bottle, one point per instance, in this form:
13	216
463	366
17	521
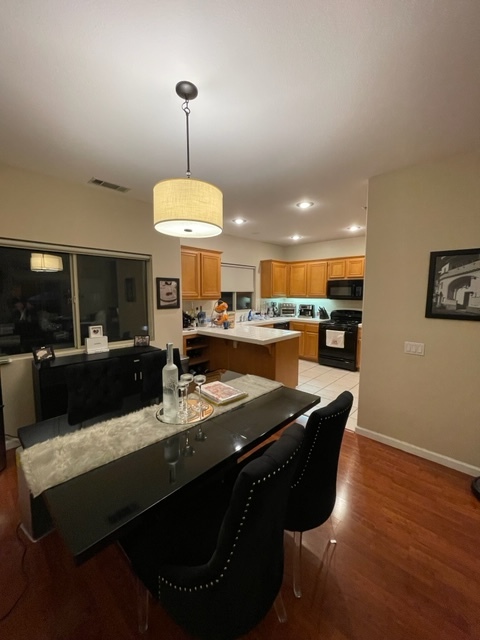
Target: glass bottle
169	384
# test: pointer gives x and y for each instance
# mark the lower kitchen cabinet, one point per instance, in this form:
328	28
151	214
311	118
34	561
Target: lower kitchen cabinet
308	348
196	348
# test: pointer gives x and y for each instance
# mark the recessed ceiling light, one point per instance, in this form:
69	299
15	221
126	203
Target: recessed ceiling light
239	220
295	237
354	227
304	205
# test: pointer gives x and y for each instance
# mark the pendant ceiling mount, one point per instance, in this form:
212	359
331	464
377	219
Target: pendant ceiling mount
186	90
185	207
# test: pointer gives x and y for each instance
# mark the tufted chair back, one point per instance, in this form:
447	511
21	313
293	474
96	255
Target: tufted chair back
314	488
228	594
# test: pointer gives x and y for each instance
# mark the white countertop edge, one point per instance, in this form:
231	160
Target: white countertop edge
260	323
252	334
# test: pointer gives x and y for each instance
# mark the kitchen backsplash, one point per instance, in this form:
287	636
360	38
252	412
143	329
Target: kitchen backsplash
193	306
330	305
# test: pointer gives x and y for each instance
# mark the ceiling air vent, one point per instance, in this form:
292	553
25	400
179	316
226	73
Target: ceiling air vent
108	185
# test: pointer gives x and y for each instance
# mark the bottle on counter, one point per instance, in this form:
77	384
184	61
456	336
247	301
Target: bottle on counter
169	384
201	318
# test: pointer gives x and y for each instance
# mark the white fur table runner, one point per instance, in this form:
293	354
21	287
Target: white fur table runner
59	459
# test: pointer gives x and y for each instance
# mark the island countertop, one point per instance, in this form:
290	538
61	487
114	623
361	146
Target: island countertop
248	333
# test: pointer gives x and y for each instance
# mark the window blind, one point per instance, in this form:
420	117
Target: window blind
236	277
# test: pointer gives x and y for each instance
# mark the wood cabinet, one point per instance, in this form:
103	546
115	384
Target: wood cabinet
297	279
276	361
306	279
273	278
201	274
355	267
196	348
317	279
342	268
359	346
308	346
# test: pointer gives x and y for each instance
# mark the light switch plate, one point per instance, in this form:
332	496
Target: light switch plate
414	348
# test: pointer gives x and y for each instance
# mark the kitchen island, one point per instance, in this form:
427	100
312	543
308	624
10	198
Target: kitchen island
270	353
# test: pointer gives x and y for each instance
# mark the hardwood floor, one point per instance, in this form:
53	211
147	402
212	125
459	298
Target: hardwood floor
405	566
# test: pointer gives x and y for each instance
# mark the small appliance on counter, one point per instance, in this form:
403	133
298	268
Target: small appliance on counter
287	310
306	310
273	311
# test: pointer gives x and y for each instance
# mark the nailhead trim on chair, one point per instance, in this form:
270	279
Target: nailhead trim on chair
163	582
307	461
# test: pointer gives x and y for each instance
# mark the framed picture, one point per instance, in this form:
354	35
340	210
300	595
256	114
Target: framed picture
454	285
141	341
95	331
168	290
43	354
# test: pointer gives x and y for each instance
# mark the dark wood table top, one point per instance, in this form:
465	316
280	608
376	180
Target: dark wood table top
95	508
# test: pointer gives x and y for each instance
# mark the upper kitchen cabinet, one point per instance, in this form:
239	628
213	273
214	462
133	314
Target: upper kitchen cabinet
355	267
346	268
201	274
273	278
317	279
297	279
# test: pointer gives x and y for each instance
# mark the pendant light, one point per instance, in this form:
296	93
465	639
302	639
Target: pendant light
185	207
45	263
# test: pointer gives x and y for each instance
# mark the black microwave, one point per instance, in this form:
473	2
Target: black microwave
345	289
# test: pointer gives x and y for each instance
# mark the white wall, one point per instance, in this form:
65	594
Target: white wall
354	246
39	208
430	403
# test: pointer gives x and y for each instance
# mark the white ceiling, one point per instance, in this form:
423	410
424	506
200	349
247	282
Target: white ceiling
297	100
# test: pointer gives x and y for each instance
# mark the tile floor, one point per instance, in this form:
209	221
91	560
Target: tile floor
328	382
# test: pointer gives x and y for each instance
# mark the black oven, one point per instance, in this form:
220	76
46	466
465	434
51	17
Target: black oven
337	339
345	289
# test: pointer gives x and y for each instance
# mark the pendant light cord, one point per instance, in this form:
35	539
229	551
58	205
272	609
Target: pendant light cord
186	109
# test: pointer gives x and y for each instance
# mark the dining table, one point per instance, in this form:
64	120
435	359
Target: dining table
97	507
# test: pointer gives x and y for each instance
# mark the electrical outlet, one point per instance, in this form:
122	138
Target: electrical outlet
414	348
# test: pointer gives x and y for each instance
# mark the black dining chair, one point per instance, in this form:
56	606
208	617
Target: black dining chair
314	488
216	564
151	365
94	388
